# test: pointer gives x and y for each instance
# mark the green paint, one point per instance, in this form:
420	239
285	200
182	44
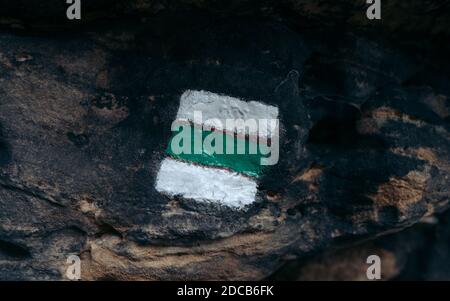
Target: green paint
248	163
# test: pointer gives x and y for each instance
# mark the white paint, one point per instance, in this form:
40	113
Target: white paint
205	184
218	107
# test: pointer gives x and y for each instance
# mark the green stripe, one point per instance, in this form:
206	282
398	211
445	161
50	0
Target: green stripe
248	164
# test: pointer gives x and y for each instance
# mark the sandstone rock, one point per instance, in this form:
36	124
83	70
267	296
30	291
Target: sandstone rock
417	253
85	118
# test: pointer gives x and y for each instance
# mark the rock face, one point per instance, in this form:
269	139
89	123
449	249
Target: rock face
422	17
85	118
417	253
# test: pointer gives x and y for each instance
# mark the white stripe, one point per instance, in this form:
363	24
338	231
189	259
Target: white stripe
215	106
205	184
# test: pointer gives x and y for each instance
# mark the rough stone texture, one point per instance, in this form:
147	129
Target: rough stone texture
417	253
85	117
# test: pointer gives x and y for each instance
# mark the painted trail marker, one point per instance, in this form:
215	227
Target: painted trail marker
219	147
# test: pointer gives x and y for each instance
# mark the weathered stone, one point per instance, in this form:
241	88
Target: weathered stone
417	253
85	120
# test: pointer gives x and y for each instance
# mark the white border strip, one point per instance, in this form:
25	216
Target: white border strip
215	106
205	184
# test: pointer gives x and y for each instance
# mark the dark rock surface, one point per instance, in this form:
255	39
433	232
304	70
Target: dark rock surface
85	117
417	17
417	253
